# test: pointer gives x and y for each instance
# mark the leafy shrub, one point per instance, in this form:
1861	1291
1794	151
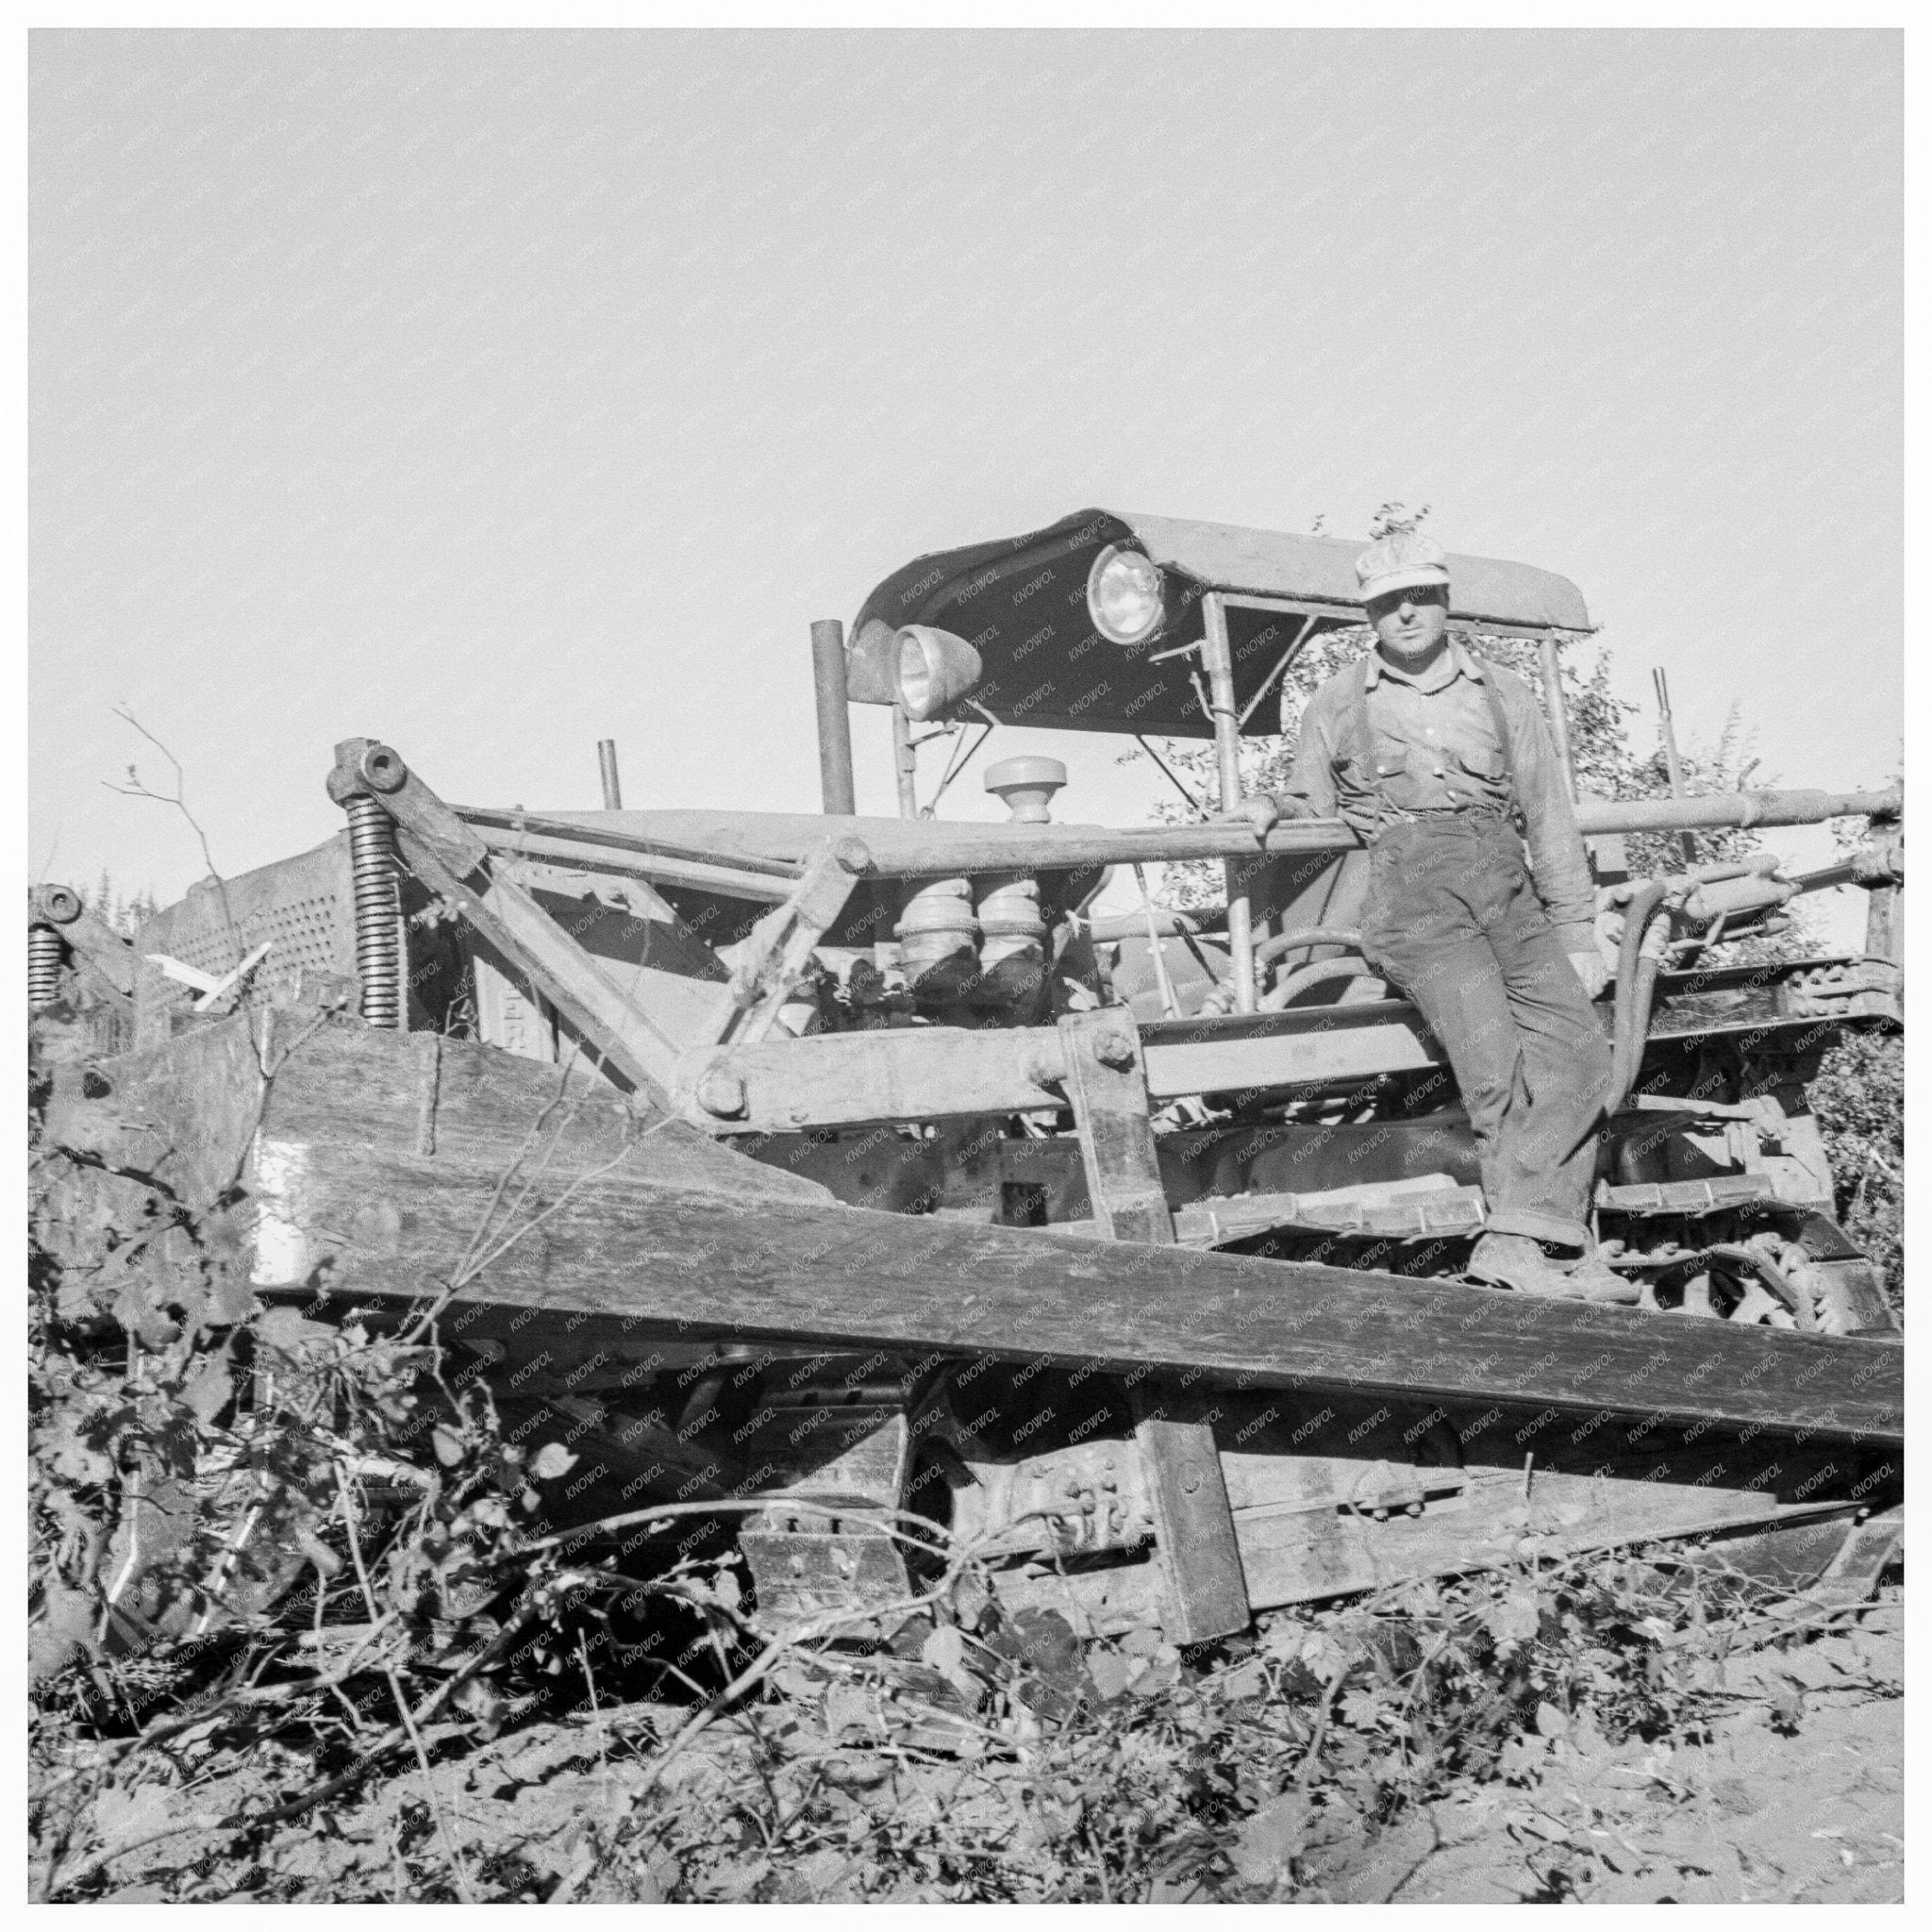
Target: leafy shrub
1859	1099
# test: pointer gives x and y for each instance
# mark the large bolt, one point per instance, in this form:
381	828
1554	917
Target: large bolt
383	770
722	1093
1114	1050
1044	1069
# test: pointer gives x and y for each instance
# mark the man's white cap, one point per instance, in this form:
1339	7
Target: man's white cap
1399	562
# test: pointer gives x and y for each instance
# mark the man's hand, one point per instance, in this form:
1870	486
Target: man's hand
1258	813
1591	969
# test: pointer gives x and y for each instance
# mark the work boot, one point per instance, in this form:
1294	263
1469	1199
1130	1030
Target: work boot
1514	1261
1594	1280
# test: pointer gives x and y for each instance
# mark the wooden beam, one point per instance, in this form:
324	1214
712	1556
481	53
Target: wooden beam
663	1228
1241	1054
843	1079
1107	1086
1194	1526
945	1073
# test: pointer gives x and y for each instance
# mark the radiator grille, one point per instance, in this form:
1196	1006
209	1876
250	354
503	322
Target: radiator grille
303	906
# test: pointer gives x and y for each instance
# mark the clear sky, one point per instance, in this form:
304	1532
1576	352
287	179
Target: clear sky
492	393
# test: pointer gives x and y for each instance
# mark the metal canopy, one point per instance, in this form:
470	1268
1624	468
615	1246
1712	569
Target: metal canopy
1272	563
1022	603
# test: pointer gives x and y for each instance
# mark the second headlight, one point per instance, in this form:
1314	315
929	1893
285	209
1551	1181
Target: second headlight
933	670
1124	595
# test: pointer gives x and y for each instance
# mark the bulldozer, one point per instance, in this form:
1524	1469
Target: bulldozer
880	1191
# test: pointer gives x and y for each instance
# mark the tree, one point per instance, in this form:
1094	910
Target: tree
124	915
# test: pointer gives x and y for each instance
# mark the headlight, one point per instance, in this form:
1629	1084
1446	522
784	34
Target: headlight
1123	596
935	670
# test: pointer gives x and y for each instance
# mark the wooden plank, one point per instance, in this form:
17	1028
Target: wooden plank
663	1229
913	1073
1206	1588
1106	1084
1868	1547
1298	1555
191	1109
1207	1595
945	1073
1303	1540
1328	1043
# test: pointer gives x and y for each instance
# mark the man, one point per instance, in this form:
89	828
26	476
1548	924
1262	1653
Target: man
1433	754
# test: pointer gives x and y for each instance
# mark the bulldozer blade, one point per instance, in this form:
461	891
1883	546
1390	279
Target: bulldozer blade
638	1216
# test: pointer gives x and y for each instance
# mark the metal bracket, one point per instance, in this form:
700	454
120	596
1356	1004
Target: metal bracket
773	957
89	937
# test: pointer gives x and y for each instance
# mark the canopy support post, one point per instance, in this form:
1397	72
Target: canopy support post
1553	703
1218	662
905	764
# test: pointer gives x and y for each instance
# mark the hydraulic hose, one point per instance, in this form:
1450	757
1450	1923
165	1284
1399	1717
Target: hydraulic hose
1317	974
1133	926
1309	936
1636	987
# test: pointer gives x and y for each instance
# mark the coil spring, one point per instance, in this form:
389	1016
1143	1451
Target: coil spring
378	911
43	966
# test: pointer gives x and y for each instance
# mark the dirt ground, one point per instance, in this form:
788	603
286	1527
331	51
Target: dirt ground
1799	1798
1796	1796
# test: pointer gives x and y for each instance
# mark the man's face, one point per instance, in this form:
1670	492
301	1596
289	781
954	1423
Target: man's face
1410	623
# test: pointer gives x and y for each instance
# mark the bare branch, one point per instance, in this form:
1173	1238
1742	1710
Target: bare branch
136	787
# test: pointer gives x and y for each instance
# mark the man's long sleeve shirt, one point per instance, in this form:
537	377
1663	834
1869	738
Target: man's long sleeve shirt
1434	748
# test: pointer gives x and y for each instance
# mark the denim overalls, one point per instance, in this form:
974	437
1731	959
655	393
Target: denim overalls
1453	918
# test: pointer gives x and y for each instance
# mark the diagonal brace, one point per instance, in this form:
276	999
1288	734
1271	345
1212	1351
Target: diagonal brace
449	857
775	957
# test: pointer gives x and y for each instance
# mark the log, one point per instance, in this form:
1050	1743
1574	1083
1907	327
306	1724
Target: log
664	1226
